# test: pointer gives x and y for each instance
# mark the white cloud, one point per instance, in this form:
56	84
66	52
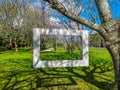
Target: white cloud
54	21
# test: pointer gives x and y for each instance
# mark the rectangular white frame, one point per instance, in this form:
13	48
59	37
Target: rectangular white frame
37	63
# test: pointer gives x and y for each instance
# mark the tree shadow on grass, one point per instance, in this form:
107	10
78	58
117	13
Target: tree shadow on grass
55	81
95	76
17	74
23	76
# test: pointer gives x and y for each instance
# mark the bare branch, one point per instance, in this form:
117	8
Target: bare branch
55	5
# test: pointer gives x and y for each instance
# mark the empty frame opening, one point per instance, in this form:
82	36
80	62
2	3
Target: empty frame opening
60	47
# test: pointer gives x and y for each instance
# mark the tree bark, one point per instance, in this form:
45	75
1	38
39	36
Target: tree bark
104	10
16	45
115	54
111	37
119	56
112	40
10	44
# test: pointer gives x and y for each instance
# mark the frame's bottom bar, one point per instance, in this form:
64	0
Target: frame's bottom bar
62	63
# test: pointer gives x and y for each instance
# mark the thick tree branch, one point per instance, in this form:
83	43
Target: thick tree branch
104	10
55	5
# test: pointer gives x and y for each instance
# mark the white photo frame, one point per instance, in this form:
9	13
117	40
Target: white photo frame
37	63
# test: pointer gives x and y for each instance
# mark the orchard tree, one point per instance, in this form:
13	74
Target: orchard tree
109	29
17	19
96	40
11	20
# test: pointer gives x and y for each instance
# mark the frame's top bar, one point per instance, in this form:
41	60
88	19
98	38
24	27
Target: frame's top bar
59	31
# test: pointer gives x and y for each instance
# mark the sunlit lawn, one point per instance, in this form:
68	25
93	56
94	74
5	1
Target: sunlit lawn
61	54
17	73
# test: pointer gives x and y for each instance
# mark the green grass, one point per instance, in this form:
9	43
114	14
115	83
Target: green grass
61	54
17	73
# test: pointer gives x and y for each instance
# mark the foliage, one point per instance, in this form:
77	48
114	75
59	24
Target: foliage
96	40
16	72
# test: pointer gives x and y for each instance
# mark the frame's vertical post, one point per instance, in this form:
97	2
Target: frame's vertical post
85	48
36	48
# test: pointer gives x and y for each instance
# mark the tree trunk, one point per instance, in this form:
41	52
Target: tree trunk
111	37
16	45
119	59
115	54
10	43
113	47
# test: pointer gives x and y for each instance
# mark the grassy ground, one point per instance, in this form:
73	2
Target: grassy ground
16	73
61	54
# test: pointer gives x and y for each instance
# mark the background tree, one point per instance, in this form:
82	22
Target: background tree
11	20
96	40
17	19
